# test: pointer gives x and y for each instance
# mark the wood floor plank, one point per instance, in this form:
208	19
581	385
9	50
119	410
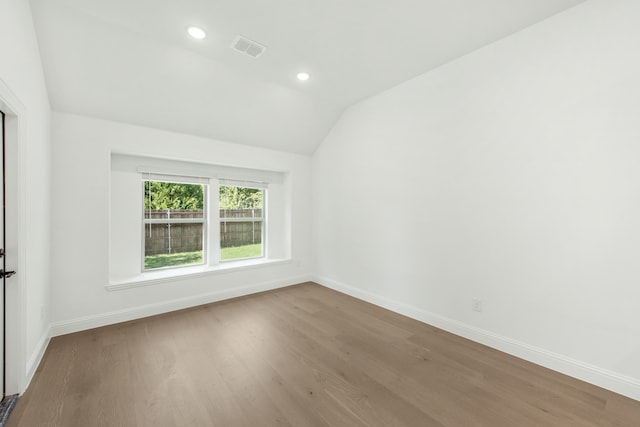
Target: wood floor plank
300	356
312	352
251	347
325	352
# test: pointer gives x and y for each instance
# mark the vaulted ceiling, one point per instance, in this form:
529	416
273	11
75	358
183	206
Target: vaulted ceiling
132	60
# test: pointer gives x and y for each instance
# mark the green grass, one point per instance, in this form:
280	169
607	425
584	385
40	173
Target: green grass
190	258
172	260
238	252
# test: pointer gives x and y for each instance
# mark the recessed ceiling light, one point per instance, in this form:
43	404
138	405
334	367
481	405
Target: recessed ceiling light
303	77
196	32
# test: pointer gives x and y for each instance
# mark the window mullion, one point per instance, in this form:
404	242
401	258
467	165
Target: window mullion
214	222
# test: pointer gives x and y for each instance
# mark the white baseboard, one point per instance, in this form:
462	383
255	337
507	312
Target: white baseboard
609	380
36	358
110	318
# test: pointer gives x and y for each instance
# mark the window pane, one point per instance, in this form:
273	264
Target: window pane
241	222
165	200
175	243
172	245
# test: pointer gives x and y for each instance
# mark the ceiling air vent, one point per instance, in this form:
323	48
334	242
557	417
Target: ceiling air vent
248	47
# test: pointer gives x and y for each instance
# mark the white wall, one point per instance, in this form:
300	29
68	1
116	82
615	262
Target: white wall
509	175
81	179
28	166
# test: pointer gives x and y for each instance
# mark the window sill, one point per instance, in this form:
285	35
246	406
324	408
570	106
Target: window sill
182	273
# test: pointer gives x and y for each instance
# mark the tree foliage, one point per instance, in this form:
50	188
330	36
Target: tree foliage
171	195
232	197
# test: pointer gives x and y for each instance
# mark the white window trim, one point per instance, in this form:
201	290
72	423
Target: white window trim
123	164
213	265
159	276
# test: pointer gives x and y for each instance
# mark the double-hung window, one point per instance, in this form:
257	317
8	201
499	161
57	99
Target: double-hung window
171	218
174	221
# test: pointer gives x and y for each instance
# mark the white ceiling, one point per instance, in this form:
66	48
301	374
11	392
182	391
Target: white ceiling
132	61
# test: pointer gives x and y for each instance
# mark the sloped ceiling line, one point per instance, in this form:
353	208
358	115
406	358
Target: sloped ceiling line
132	60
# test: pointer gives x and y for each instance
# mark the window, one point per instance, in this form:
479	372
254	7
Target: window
174	223
175	220
242	225
171	218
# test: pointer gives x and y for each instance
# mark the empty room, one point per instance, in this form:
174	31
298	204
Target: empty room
329	213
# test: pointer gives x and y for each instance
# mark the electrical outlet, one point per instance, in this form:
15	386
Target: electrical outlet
477	305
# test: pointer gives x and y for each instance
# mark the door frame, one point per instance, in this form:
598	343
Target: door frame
16	329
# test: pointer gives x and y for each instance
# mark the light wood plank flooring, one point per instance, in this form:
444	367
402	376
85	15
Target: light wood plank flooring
299	356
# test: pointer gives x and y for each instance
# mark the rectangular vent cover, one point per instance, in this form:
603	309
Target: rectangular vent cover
248	47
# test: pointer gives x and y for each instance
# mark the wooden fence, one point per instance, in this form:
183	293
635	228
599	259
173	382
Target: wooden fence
238	227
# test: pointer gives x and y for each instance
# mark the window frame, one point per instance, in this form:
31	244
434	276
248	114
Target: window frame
126	250
176	179
263	187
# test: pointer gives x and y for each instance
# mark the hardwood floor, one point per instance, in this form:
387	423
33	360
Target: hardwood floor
299	356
